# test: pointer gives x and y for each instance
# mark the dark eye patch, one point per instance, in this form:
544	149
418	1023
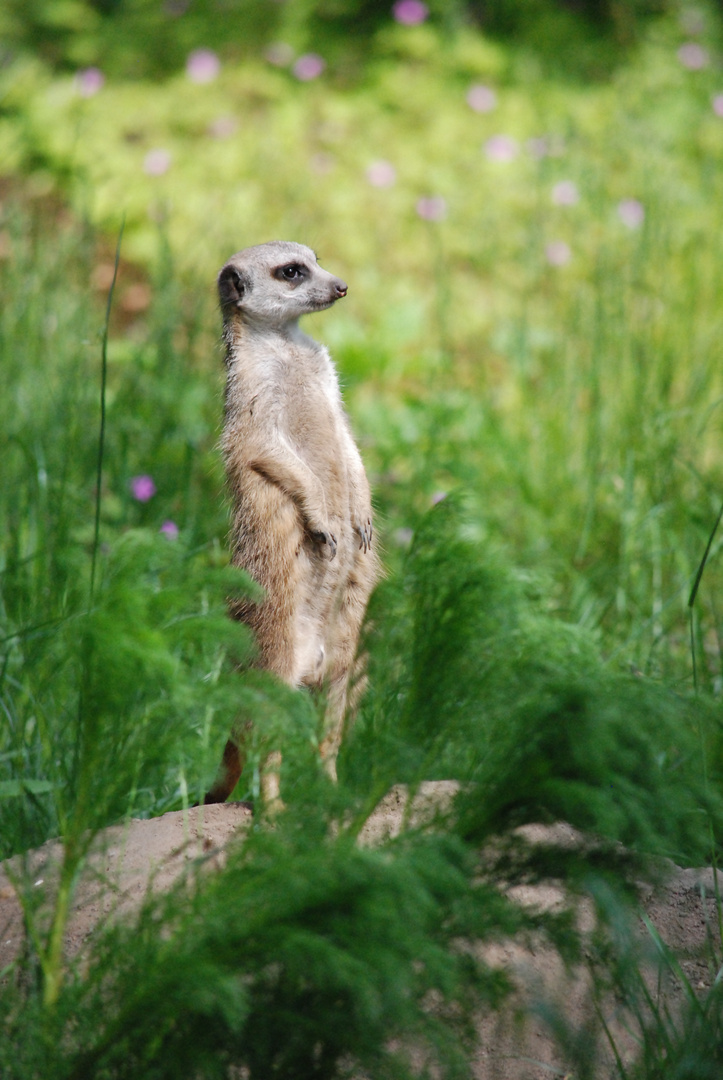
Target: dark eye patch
293	273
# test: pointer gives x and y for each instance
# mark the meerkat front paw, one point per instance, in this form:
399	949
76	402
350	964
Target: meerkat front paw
365	533
327	539
362	526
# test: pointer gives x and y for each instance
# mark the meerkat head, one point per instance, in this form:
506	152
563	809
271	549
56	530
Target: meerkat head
275	284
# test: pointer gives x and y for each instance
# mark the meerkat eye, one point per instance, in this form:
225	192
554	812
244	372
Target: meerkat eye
292	272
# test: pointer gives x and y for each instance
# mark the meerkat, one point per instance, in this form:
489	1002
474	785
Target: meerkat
301	515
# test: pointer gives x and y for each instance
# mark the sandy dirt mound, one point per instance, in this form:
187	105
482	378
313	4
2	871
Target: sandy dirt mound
515	1044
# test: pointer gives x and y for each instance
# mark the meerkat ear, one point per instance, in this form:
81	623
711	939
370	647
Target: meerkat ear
233	286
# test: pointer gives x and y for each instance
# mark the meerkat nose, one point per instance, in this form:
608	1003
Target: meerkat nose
340	287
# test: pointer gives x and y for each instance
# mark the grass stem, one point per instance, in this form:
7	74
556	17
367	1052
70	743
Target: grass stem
101	433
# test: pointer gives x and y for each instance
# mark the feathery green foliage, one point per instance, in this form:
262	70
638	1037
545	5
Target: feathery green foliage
471	680
305	956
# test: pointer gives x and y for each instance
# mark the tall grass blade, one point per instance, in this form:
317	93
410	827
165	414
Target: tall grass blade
694	593
101	432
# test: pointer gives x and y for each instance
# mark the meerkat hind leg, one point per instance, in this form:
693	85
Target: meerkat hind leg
228	775
341	670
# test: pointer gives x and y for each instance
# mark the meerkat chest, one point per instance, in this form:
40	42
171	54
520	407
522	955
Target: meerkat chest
290	393
311	392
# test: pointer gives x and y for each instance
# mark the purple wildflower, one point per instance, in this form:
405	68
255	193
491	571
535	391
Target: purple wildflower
718	104
632	213
202	66
565	193
381	174
309	66
143	488
157	162
169	529
89	81
482	99
410	12
558	253
693	56
501	148
432	208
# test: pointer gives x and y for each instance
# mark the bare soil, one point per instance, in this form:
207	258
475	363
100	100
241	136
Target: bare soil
514	1044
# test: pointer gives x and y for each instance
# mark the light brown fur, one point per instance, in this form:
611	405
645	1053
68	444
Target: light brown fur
301	507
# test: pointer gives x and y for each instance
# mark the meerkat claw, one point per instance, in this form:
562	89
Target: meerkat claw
329	539
365	535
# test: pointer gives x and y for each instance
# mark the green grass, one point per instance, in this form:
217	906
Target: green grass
533	635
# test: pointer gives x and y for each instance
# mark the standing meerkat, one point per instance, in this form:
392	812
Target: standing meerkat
301	507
